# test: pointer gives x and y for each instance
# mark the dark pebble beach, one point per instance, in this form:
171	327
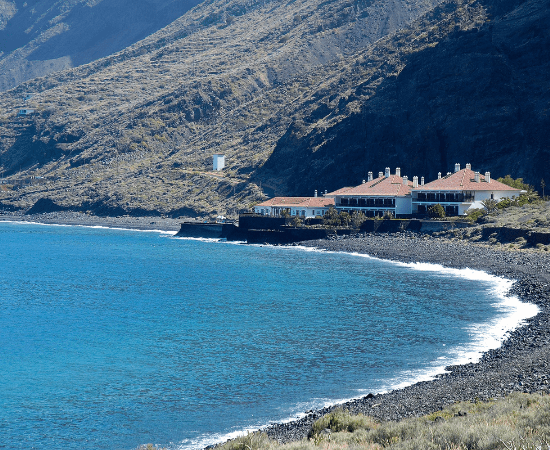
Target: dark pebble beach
521	364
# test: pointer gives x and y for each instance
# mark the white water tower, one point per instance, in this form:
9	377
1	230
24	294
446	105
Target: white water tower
219	162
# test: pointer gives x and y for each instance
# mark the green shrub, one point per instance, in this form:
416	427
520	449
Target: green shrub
436	211
474	214
297	222
357	219
331	217
516	184
531	196
334	219
345	219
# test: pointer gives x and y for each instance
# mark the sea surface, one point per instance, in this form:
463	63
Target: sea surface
113	338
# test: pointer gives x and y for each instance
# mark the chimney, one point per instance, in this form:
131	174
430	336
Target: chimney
422	181
469	166
415	182
439	175
449	173
457	167
405	180
370	176
363	182
398	171
315	193
476	177
488	177
325	192
387	172
380	174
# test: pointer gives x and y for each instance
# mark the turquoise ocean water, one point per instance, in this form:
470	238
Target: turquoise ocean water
112	338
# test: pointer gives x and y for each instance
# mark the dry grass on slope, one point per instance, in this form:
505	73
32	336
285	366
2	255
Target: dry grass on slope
519	421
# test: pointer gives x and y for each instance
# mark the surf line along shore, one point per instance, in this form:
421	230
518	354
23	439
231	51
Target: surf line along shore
520	364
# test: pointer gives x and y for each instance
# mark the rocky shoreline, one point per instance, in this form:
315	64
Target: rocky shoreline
81	219
521	364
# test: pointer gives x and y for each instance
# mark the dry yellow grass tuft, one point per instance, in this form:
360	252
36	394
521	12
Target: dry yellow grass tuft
519	422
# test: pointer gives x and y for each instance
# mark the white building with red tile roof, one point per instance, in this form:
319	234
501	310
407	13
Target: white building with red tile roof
304	207
457	192
460	191
377	196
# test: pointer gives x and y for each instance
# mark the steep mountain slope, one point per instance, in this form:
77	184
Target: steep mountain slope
38	37
290	83
480	96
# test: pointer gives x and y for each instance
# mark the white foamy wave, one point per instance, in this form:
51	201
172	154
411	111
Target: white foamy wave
98	227
483	336
205	440
293	413
199	239
164	232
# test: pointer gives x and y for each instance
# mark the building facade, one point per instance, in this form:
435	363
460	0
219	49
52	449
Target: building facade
394	194
460	191
386	194
303	207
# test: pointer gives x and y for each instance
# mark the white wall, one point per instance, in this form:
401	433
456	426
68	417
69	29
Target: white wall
480	196
310	212
219	162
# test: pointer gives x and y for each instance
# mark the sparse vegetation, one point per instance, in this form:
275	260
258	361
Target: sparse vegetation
490	205
474	214
108	134
333	218
519	422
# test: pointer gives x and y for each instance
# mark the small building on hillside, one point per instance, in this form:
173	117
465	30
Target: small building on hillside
303	207
377	196
460	191
218	162
25	112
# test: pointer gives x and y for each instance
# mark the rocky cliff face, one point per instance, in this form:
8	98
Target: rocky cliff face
298	95
38	37
480	96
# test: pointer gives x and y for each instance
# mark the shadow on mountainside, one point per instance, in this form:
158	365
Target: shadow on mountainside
479	96
81	33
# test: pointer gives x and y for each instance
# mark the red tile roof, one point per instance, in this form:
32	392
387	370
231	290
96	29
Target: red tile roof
302	202
464	180
382	186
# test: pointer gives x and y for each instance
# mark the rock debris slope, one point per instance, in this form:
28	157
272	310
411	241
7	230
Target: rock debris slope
39	37
283	89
